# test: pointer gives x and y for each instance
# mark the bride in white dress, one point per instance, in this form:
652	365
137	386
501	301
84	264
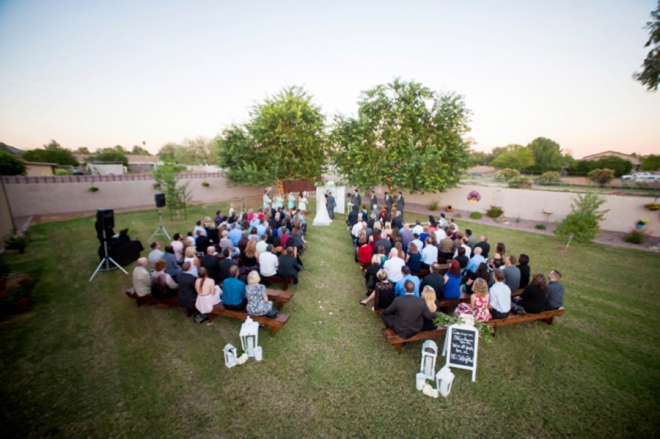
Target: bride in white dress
322	218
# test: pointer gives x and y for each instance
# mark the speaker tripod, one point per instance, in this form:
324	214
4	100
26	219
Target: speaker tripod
106	259
160	230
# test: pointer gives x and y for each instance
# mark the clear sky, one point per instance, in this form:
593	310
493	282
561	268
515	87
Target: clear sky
96	74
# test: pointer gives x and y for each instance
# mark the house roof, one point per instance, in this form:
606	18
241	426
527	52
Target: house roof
137	159
633	159
38	163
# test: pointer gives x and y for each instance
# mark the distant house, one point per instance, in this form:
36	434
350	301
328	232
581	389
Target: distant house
39	169
80	158
105	168
636	162
142	163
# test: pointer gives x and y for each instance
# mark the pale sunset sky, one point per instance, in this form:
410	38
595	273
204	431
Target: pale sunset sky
98	74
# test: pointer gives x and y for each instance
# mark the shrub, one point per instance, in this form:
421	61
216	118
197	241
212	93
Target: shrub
635	236
582	223
476	215
507	173
541	226
93	189
10	165
520	182
433	206
601	176
16	242
494	211
652	206
206	184
549	177
19	298
63	172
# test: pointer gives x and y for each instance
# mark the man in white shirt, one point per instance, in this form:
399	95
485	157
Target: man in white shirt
429	254
141	278
500	297
443	221
198	226
468	250
455	225
356	229
440	233
268	263
393	266
262	246
177	245
418	228
419	244
155	254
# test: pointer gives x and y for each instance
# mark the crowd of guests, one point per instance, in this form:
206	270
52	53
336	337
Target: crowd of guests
410	267
227	259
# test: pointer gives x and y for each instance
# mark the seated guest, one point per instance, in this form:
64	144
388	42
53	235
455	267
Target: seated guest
190	239
434	280
155	254
208	293
211	263
235	234
187	291
418	229
483	245
406	235
162	285
399	248
429	254
405	272
406	314
226	242
371	274
284	236
393	266
191	256
462	258
141	278
425	234
464	246
250	258
233	291
380	252
532	299
500	297
500	252
523	266
554	293
397	222
352	217
253	235
385	243
481	273
262	244
383	294
414	258
268	263
356	229
225	265
199	228
475	260
211	230
440	233
416	240
443	221
177	245
257	297
456	243
365	252
453	280
172	268
429	296
289	266
478	307
201	242
446	248
512	274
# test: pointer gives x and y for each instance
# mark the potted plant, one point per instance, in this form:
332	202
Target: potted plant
93	189
641	223
449	208
206	184
652	206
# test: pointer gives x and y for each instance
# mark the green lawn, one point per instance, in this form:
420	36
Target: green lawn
88	363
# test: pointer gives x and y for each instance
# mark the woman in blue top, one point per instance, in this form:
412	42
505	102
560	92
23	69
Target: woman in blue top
414	258
292	201
423	236
453	281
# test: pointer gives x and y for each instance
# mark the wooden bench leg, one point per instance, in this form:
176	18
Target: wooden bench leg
139	301
280	306
548	321
397	346
273	331
211	317
190	312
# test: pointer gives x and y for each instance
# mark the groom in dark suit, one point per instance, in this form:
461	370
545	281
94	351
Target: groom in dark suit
357	199
388	202
400	203
374	200
330	204
406	314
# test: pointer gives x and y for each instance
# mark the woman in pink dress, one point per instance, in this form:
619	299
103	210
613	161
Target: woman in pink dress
478	307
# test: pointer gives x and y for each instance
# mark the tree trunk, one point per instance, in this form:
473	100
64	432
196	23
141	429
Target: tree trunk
170	212
280	187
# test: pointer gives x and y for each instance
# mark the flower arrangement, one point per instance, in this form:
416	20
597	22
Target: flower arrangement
485	330
93	189
474	197
495	211
206	184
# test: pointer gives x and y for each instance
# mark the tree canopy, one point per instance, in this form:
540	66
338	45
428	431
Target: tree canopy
547	154
650	74
51	153
582	224
284	141
651	163
197	151
109	155
405	136
138	150
514	157
10	165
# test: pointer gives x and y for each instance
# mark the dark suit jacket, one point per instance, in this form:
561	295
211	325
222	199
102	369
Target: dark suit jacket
437	282
400	204
388	203
202	243
225	265
352	217
406	315
397	222
374	200
212	266
172	267
331	202
187	292
357	200
288	267
385	243
485	248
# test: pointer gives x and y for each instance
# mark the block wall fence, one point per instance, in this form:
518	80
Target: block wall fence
32	196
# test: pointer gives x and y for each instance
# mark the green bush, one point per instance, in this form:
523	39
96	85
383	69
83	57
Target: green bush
549	177
581	224
541	226
63	172
10	165
520	181
93	189
601	176
433	206
476	215
494	212
16	242
635	237
507	173
652	206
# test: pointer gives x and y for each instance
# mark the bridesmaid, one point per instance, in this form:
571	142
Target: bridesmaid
292	201
279	202
302	202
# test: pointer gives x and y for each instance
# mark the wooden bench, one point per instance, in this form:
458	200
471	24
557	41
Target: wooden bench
275	324
397	341
278	280
545	316
279	297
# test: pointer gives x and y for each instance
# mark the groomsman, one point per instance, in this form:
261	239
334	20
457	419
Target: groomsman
374	199
357	199
330	200
388	202
400	203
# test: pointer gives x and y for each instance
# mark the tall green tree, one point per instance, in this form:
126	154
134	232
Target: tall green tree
82	150
650	74
514	157
177	195
109	155
10	165
138	150
582	224
547	154
651	163
51	153
284	141
405	136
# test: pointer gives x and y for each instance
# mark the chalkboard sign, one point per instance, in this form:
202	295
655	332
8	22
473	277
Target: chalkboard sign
462	343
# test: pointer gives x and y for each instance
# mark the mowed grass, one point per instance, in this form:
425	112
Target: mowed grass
88	363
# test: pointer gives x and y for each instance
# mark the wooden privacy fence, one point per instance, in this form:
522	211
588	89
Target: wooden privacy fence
103	178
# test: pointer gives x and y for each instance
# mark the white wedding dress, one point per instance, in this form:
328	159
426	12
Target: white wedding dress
322	218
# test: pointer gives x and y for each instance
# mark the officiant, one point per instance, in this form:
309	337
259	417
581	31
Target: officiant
330	204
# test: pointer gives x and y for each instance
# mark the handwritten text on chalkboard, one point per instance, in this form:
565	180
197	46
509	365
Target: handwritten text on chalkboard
462	352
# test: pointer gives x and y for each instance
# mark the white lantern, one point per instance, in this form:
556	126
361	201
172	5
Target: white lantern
443	381
250	336
429	354
230	356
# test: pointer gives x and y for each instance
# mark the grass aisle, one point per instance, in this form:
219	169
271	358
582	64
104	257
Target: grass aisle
88	363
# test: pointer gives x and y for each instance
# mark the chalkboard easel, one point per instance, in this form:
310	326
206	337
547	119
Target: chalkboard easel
462	345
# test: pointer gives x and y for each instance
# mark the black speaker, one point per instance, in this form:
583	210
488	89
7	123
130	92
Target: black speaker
160	199
105	218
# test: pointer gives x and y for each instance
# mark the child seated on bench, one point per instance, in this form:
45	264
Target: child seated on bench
478	307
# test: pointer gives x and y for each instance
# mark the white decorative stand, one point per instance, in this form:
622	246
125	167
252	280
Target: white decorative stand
443	381
429	355
230	356
249	336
